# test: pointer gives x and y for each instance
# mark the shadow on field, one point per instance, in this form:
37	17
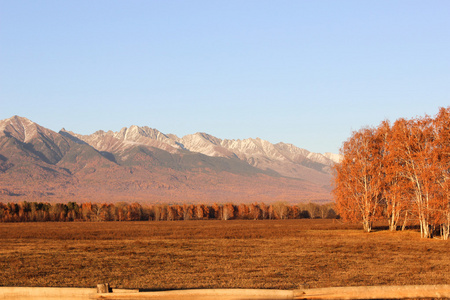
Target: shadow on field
379	227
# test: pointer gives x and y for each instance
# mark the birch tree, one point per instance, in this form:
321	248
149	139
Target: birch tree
441	158
412	146
358	179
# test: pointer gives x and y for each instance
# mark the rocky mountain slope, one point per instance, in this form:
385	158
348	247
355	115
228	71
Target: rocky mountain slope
143	164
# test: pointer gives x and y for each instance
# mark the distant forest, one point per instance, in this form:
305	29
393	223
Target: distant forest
94	212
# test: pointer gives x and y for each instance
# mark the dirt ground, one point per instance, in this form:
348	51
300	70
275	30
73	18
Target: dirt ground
275	254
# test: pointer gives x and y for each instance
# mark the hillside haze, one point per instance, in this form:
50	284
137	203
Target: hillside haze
145	165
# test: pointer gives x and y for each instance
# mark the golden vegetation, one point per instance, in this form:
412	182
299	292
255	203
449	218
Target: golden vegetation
72	211
280	254
398	172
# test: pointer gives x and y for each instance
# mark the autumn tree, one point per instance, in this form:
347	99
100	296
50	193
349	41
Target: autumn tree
227	211
242	211
314	210
188	212
254	211
214	211
172	212
122	211
270	212
160	212
326	211
264	211
135	212
358	179
412	146
441	158
393	184
404	169
201	211
281	210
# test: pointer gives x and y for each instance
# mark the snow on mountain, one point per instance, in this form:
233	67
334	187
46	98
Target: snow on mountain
251	149
146	161
333	157
286	159
205	144
117	142
22	129
257	152
248	148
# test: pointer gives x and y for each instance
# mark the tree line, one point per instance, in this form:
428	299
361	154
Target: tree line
72	211
397	172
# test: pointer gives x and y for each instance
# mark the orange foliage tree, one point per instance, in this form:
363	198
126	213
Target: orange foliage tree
412	147
441	158
393	171
358	180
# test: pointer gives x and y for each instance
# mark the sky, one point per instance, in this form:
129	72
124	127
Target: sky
306	73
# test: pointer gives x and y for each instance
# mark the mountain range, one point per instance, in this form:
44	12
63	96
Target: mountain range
141	164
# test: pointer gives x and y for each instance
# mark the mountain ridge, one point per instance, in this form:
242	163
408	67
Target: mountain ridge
142	163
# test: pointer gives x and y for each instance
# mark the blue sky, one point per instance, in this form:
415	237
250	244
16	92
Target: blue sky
300	72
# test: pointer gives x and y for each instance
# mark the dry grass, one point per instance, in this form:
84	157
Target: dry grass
280	254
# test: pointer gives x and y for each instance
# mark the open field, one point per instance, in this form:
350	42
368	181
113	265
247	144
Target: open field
276	254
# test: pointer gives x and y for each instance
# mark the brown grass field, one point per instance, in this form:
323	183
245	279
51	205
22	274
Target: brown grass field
276	254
